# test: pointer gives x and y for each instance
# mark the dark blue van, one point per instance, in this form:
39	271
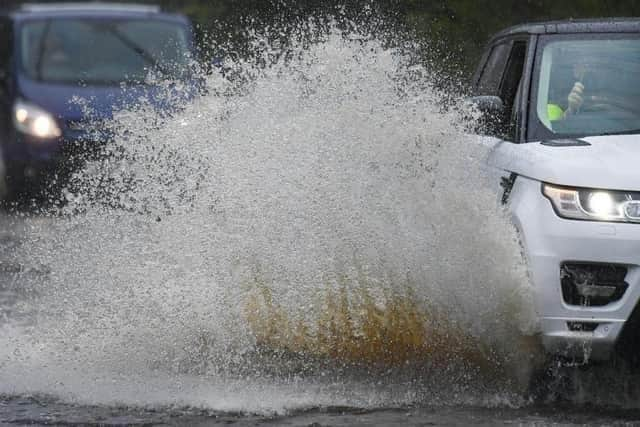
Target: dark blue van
52	54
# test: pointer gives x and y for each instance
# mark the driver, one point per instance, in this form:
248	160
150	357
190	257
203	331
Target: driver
575	99
55	51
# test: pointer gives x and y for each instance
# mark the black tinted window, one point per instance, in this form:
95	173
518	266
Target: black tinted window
492	73
510	85
513	74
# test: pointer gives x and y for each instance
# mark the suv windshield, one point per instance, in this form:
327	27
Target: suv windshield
587	85
104	52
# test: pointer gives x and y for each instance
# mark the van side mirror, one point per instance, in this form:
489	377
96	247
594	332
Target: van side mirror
4	77
493	115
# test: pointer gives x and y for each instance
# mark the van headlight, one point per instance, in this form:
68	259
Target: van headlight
594	205
34	121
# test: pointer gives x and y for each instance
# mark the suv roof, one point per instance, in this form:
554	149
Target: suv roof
603	25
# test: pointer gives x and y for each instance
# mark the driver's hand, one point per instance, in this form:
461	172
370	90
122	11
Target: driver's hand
575	97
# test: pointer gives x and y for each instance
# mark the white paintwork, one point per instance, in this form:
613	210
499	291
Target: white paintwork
610	162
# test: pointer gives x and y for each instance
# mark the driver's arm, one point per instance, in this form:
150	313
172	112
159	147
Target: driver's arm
575	99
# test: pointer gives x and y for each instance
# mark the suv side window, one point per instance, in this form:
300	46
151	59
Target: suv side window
489	81
510	86
513	75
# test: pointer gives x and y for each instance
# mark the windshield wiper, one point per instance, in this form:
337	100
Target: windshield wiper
144	54
41	50
622	132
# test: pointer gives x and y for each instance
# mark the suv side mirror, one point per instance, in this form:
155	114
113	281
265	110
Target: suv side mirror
493	115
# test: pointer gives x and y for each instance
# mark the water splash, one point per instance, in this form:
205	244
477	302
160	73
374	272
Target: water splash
314	232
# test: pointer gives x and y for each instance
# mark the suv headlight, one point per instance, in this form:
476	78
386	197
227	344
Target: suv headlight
594	205
33	120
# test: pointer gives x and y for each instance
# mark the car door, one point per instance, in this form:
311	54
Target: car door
505	75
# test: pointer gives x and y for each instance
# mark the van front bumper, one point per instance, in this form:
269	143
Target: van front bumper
29	157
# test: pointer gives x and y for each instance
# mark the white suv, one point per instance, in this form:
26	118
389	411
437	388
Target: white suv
562	101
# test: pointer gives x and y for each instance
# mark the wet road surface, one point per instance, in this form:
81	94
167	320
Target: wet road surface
19	411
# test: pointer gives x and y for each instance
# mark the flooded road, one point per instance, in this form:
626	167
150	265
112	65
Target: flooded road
36	412
312	243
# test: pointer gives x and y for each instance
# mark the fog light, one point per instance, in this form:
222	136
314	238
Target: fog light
591	284
586	285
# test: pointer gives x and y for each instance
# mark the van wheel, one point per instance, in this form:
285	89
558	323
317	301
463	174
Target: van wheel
15	186
4	189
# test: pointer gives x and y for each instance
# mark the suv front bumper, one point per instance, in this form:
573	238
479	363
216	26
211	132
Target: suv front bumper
551	241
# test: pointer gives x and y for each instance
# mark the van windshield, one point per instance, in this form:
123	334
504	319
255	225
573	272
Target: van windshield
588	85
102	52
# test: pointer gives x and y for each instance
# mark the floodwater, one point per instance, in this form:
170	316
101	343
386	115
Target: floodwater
313	242
25	411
